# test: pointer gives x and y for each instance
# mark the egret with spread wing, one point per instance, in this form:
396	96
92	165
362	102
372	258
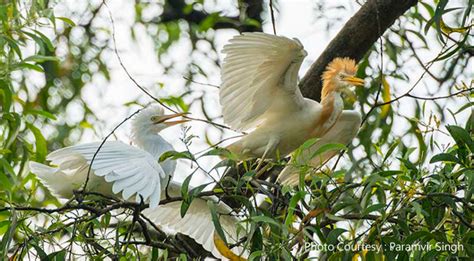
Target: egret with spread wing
259	93
118	167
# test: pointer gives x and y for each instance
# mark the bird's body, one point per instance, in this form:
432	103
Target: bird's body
283	136
259	93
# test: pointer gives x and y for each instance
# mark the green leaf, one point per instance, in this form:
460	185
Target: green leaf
218	152
42	113
30	66
8	237
390	150
292	206
328	147
41	58
86	125
465	106
446	157
176	101
13	45
332	237
373	208
461	136
209	22
408	164
256	255
66	20
418	235
194	192
40	252
57	256
215	220
185	194
41	145
265	219
45	40
7	96
6	176
307	144
174	155
388	173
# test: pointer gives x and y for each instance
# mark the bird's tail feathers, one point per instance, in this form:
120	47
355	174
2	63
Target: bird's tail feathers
53	178
289	176
197	223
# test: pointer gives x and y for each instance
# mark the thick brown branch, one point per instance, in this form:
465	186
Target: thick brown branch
355	39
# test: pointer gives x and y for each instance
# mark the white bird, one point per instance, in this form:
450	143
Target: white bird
135	170
118	167
259	93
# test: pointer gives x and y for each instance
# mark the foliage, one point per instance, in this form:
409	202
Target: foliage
408	177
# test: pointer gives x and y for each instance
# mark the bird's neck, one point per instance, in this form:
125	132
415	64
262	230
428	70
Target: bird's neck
150	142
332	106
291	75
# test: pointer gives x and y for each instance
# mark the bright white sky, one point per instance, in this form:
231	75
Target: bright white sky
295	19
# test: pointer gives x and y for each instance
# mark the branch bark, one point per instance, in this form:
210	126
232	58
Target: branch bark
355	39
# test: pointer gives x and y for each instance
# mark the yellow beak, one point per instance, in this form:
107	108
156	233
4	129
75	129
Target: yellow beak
352	80
165	119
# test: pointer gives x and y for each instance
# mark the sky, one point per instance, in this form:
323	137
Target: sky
295	18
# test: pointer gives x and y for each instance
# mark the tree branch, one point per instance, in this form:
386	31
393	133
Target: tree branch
355	39
174	10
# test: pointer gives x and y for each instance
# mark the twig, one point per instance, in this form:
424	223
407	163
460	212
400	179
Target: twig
201	83
273	17
143	89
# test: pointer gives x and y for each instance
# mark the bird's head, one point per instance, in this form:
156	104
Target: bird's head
339	76
153	120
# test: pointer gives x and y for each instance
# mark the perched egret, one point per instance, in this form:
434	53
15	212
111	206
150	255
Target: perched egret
118	167
259	93
135	170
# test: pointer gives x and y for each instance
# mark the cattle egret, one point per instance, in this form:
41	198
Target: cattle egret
259	93
118	167
135	170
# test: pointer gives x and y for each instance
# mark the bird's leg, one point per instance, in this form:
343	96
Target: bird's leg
271	145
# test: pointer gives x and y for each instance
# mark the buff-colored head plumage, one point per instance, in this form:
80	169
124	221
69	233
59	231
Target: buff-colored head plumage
336	73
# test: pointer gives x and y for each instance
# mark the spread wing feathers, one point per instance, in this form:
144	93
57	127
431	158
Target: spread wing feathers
343	131
251	74
130	169
58	183
197	223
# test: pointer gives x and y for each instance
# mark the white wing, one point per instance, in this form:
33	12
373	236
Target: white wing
130	169
253	74
343	131
197	223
